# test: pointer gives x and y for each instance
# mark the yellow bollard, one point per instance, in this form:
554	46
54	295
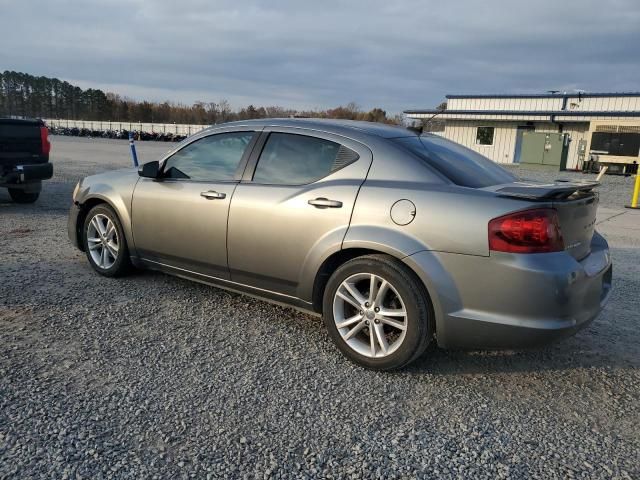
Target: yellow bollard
636	192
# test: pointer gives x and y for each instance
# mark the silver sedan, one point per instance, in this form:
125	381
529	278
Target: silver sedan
398	240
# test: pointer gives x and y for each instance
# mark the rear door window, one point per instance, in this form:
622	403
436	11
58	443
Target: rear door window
289	159
459	164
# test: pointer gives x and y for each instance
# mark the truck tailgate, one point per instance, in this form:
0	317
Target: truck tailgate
20	141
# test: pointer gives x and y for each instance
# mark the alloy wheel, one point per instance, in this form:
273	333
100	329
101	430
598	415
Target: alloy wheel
102	241
370	315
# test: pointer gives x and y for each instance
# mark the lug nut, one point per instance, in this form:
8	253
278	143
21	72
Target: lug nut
366	304
361	312
377	321
377	309
366	322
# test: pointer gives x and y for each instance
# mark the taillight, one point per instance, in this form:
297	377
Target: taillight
527	231
44	140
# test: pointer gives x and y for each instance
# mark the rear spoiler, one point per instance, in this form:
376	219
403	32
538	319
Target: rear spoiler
559	190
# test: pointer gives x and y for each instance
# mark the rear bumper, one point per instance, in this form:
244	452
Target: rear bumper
18	174
518	301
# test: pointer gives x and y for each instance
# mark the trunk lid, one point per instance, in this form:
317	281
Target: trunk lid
20	139
577	223
575	202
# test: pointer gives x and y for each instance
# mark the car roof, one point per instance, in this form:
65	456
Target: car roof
340	127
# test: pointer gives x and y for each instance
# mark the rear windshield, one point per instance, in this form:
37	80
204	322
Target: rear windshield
461	165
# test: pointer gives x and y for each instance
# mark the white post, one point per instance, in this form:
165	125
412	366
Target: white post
603	170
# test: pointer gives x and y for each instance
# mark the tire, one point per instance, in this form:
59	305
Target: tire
404	293
20	196
100	248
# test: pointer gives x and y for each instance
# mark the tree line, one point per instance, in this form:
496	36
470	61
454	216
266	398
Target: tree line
25	95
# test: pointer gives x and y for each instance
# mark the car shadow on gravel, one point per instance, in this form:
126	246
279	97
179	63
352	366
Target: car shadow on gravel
580	352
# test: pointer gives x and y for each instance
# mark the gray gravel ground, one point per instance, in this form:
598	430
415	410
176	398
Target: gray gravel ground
153	376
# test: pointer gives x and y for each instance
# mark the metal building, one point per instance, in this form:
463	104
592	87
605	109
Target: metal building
563	129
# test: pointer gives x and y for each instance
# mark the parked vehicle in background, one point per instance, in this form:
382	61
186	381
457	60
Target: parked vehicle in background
117	134
24	158
396	239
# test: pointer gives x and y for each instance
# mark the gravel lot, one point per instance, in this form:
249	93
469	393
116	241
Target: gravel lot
153	376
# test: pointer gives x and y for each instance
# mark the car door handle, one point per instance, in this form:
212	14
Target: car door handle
325	203
211	195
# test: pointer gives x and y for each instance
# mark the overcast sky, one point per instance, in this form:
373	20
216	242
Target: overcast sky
396	54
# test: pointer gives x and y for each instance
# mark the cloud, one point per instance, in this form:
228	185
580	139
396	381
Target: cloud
397	55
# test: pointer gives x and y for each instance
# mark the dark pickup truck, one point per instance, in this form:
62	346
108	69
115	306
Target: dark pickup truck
24	158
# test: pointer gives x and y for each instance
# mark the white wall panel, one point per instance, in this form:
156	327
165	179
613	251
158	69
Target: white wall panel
511	103
577	132
547	127
177	129
594	104
504	138
603	104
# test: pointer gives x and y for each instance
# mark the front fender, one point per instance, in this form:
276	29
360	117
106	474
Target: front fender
115	191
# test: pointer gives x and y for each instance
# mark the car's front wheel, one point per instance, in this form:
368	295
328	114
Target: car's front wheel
377	312
104	242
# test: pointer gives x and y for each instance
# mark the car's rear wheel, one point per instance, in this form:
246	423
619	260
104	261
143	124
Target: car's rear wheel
20	196
104	242
377	312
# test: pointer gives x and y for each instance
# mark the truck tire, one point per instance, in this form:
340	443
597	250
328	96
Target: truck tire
20	196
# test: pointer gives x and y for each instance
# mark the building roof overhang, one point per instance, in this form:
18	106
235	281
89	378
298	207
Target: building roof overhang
519	115
549	95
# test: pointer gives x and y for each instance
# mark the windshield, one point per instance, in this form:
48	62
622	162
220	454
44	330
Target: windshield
459	164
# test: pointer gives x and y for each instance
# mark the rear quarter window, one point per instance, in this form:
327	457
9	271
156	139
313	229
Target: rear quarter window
459	164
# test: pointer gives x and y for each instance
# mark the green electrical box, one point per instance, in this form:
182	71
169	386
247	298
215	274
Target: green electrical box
544	149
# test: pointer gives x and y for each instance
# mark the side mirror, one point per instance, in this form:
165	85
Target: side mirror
149	169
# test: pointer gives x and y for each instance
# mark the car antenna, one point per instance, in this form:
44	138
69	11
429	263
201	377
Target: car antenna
413	128
420	130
